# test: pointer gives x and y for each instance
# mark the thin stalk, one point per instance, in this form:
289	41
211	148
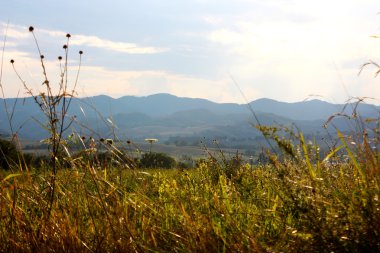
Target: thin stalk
9	117
253	113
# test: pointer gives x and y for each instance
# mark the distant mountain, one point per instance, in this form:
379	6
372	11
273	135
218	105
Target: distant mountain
310	110
156	105
166	116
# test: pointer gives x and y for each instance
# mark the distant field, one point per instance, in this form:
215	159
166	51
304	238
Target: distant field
194	152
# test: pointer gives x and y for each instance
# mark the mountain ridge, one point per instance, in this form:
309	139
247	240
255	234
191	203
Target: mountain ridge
166	115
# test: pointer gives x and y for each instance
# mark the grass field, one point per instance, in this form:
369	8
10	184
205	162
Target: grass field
217	207
195	152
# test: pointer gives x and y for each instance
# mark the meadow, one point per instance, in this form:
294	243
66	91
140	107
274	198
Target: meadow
217	207
299	200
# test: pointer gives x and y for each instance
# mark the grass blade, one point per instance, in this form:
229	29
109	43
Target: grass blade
331	154
307	158
351	155
10	176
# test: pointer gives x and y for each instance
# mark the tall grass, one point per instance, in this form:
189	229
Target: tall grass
278	207
302	201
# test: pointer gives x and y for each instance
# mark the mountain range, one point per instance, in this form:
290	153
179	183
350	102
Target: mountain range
172	119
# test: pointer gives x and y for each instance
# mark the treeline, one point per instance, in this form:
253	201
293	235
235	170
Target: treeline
12	157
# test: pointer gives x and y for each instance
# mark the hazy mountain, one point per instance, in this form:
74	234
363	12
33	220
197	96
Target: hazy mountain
155	105
310	110
165	116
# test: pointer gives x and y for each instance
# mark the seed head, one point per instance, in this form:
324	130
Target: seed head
42	56
68	35
60	58
31	28
65	46
12	61
80	52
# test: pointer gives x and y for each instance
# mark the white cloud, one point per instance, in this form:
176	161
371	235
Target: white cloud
130	48
20	32
13	31
213	20
288	59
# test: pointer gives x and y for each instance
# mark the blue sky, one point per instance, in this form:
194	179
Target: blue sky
288	50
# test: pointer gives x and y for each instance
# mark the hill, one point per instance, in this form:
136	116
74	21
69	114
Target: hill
173	119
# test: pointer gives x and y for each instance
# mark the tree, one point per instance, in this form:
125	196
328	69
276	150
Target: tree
8	154
157	160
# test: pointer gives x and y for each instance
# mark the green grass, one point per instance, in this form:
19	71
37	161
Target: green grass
276	208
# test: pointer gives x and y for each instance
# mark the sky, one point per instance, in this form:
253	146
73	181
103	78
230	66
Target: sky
221	50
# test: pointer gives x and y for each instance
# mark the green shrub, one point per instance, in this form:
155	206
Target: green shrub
8	154
157	160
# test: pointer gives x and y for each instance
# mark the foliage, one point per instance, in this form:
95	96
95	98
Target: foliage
9	155
186	162
157	160
12	158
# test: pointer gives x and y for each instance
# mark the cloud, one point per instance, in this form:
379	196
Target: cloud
288	57
20	32
141	83
213	20
122	47
13	31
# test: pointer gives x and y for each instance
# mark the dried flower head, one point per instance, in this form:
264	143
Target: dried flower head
60	58
68	35
31	28
42	56
80	52
65	46
12	61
